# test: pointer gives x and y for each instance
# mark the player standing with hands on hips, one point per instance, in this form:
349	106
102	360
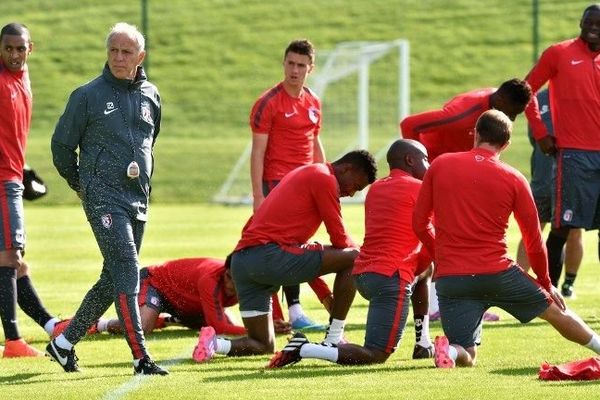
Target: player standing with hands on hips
113	121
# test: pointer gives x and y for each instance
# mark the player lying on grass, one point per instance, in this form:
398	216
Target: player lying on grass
472	196
192	292
385	268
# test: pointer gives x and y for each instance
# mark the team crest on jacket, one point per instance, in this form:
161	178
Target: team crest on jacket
313	114
146	113
106	220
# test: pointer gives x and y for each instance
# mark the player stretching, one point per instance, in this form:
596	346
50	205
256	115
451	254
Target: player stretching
472	195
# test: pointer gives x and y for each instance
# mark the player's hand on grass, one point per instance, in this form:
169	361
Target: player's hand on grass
282	327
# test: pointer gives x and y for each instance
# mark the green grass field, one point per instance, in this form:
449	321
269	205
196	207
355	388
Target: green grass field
65	261
211	59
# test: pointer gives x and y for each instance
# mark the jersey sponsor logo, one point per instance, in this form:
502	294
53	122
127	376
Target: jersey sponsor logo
568	215
291	114
576	62
313	114
110	107
147	112
106	220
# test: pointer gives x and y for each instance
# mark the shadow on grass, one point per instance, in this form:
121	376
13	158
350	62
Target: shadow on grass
299	371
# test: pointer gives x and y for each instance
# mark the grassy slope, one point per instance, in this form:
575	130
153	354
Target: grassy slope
212	58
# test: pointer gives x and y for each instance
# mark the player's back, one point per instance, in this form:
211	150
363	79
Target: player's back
473	197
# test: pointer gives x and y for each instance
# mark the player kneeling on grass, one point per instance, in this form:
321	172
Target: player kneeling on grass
274	251
472	195
385	267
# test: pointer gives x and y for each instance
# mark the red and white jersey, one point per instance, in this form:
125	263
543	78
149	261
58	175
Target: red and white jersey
450	129
472	195
294	210
390	243
573	73
194	287
15	121
292	125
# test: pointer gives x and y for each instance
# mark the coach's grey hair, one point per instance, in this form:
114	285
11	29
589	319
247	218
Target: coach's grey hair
129	30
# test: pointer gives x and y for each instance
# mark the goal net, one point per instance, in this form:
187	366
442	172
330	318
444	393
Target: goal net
364	90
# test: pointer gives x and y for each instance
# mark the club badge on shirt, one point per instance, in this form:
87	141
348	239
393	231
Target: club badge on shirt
313	114
106	220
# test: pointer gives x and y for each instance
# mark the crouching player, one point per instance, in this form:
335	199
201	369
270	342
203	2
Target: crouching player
274	251
384	269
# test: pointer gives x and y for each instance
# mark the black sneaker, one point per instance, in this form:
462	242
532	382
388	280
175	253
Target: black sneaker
567	290
148	367
290	353
421	352
66	358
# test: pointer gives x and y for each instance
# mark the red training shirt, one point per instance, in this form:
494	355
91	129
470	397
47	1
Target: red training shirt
15	121
292	125
472	195
573	71
390	243
293	211
194	287
450	129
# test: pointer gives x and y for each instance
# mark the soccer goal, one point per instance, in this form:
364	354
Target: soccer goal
365	92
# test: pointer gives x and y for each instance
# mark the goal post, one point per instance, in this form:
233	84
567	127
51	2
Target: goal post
364	89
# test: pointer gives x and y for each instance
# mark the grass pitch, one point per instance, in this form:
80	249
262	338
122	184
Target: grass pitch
65	262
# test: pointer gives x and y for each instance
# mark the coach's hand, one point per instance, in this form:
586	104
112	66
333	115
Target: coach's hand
548	145
557	298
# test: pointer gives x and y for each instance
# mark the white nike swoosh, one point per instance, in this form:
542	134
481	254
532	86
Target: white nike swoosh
61	360
106	112
287	115
575	62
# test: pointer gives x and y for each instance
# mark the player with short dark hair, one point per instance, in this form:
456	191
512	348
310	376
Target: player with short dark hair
274	251
16	99
386	266
450	129
571	69
472	195
285	123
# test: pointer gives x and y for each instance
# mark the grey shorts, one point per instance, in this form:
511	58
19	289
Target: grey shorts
12	220
464	299
389	298
577	189
259	271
